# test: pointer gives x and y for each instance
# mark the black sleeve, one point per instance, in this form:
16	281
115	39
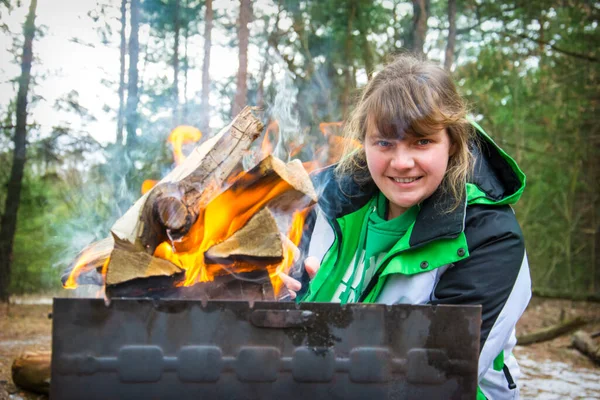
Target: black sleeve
489	275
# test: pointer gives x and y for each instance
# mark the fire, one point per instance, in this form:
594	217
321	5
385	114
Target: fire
148	184
87	260
181	135
267	146
221	218
290	249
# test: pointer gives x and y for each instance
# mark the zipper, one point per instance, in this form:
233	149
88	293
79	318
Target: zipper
511	383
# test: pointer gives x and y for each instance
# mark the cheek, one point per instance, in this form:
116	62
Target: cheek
375	163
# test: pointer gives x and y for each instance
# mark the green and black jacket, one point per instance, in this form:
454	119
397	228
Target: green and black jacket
473	255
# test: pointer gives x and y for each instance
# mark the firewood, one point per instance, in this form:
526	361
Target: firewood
188	187
259	240
271	171
127	263
31	371
583	342
88	264
169	209
552	332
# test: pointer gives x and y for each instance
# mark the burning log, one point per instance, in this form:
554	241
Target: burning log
193	222
172	206
126	264
258	241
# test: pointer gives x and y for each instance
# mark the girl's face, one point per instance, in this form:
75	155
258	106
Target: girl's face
407	170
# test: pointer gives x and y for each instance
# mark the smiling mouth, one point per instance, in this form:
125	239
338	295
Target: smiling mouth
405	180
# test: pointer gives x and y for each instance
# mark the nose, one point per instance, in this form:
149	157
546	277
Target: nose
402	159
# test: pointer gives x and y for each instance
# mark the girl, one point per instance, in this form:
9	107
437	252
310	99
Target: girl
420	215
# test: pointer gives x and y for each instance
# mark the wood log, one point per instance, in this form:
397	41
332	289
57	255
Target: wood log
131	264
85	269
248	286
259	241
169	209
31	371
583	342
567	295
172	206
552	332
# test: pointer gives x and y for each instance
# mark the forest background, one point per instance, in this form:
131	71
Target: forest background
529	70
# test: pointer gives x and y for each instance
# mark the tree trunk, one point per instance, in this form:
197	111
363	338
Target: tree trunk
243	37
132	82
348	83
13	194
367	53
205	110
186	66
177	29
449	56
123	51
416	37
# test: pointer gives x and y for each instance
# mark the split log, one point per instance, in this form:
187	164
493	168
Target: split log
85	269
259	241
31	371
132	264
248	286
583	342
552	332
169	209
172	206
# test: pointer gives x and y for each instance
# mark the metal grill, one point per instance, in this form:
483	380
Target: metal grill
180	349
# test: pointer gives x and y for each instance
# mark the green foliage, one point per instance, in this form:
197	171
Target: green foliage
541	104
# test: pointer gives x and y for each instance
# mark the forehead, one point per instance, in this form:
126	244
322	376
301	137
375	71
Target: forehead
400	129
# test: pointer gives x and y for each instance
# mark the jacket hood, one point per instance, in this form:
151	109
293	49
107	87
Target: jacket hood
496	178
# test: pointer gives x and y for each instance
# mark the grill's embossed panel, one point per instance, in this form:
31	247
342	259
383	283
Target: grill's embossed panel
141	349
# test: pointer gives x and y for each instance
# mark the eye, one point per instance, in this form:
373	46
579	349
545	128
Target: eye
424	142
383	143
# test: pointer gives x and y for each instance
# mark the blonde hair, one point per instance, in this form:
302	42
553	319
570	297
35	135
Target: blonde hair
410	97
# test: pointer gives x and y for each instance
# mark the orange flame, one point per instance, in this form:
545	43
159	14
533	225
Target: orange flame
86	261
267	146
221	218
330	128
147	185
294	236
181	135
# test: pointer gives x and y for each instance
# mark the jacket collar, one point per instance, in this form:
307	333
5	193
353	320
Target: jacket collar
339	197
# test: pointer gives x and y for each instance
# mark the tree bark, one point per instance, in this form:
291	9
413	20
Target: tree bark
13	194
348	83
449	55
243	39
132	82
175	89
186	66
416	37
123	51
205	110
367	53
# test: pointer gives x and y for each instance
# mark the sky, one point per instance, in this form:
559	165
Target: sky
63	65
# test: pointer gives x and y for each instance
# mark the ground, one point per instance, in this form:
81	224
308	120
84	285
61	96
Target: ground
551	370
